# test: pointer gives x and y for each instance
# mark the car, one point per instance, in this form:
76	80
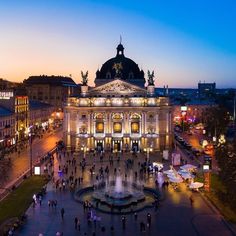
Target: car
209	147
189	146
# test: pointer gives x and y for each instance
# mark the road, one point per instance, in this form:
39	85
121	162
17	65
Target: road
194	140
20	163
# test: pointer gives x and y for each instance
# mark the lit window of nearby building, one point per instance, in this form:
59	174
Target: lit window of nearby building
99	127
117	127
135	127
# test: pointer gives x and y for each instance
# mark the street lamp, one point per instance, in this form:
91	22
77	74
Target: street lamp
31	152
234	108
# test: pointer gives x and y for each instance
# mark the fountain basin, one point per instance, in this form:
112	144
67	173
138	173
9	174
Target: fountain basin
125	204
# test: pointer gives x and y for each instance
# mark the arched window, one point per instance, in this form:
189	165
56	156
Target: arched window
99	127
135	127
131	75
108	75
117	127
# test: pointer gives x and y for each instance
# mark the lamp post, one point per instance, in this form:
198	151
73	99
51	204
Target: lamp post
234	108
149	149
31	152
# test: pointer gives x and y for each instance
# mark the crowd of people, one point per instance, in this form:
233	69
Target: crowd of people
70	178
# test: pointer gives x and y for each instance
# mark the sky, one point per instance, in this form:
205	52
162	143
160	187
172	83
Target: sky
184	42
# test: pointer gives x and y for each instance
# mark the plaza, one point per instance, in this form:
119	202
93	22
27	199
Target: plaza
174	215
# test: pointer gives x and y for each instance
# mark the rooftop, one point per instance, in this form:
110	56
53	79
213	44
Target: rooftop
34	105
51	80
5	112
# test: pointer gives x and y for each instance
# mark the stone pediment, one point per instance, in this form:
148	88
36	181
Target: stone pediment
118	87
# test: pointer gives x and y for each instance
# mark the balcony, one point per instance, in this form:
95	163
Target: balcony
99	135
135	135
117	135
152	135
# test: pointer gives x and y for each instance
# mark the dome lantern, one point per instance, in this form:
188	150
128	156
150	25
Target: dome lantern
120	50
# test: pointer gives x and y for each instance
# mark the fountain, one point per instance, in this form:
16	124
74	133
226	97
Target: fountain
118	195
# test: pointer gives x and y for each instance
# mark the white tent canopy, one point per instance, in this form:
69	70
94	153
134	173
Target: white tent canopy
167	172
187	176
188	167
196	185
176	179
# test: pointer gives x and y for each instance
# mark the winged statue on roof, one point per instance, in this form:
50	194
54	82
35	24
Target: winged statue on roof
84	78
150	77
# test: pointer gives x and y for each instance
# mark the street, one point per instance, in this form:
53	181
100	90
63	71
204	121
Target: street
194	141
21	163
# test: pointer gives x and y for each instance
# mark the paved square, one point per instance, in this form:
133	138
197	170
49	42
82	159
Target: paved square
174	216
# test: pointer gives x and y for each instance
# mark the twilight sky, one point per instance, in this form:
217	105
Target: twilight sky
184	42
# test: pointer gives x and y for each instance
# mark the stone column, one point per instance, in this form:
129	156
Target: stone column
167	122
77	133
157	124
68	138
143	125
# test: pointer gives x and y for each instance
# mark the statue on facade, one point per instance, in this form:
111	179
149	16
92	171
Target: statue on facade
150	77
118	67
84	78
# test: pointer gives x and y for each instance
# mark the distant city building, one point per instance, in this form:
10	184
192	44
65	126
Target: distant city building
5	84
40	116
17	103
119	113
7	128
206	89
53	90
192	111
19	116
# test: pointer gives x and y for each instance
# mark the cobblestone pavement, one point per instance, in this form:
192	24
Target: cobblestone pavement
175	215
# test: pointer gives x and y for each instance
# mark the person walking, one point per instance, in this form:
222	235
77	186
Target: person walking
149	219
123	219
76	222
62	213
191	200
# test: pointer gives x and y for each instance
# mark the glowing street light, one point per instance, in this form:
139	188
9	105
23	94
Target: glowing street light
222	139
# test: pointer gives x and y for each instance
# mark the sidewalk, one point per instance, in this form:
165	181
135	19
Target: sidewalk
195	162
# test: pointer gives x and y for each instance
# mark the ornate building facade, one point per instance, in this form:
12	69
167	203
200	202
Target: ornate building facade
119	113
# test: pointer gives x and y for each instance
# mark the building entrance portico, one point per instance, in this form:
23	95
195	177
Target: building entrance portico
135	145
117	145
99	145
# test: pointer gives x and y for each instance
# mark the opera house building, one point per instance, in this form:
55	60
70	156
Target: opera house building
119	113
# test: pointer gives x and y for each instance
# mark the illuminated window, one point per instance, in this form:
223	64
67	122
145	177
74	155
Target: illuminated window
99	127
135	127
117	127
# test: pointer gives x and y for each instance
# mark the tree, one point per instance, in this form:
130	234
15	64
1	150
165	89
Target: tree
226	158
216	120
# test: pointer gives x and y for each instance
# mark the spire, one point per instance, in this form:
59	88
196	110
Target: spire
120	39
